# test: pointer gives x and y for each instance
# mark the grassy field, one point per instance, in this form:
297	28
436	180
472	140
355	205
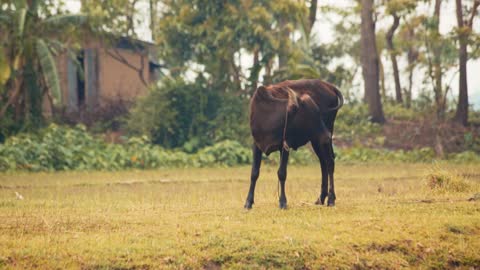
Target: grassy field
386	217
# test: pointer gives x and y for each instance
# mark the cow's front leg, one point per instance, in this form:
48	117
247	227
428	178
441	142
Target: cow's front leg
257	160
282	177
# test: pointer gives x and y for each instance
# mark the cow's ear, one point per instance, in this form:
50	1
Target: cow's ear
261	88
262	93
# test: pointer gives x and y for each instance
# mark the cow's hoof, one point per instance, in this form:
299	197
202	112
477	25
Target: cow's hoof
331	203
321	200
248	205
283	205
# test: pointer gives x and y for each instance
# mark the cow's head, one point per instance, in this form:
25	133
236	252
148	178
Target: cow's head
267	117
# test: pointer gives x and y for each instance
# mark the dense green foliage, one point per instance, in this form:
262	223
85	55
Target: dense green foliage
56	148
211	37
189	115
353	123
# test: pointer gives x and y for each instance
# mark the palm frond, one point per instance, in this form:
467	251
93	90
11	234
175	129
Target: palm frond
60	21
49	70
22	13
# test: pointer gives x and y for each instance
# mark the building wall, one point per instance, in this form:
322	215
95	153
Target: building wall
119	81
107	80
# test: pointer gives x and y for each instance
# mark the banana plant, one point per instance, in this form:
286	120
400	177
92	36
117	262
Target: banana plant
31	36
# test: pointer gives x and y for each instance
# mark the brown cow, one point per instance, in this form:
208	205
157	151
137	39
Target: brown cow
288	115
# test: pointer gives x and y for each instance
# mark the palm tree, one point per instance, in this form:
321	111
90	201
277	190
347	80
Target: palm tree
31	37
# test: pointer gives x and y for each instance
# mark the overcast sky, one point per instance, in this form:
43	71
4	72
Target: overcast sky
324	34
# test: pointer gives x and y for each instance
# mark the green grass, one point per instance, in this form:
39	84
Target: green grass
386	216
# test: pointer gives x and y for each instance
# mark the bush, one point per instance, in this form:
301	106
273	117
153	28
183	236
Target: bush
190	115
399	112
56	148
225	153
362	154
465	157
444	181
59	148
353	122
303	156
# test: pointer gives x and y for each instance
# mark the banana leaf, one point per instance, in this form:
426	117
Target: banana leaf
5	70
49	70
22	13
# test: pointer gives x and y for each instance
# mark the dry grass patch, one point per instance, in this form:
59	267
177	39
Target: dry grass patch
443	180
194	219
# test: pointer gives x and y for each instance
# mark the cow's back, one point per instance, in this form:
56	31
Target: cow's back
323	93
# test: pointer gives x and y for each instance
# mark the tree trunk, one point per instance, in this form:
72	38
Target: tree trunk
284	50
408	93
461	116
370	64
130	19
437	66
412	56
255	68
14	96
381	70
312	15
235	71
153	13
267	77
393	58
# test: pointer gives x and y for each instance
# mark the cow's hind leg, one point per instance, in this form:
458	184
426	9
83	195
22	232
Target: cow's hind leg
257	159
317	147
331	169
282	177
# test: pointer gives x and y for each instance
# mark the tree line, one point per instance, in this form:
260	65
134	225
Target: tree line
214	54
435	49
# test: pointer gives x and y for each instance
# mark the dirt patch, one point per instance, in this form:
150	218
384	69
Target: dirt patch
211	265
407	135
404	247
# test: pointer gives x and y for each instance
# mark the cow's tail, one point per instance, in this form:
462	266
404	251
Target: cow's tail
340	99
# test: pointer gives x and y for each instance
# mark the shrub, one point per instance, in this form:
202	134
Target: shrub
399	112
353	122
303	156
362	154
190	115
59	148
465	157
225	153
444	181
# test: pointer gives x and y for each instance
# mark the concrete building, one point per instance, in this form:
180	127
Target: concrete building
105	72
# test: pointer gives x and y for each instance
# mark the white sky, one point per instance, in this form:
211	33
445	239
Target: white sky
323	32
